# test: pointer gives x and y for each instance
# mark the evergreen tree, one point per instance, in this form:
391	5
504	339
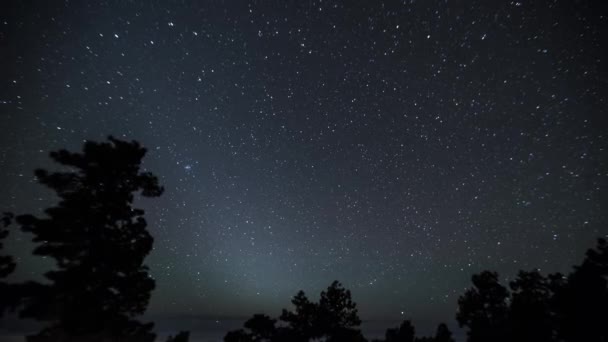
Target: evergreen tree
530	318
443	334
303	322
405	333
581	303
337	313
237	336
484	309
333	319
99	242
262	328
8	299
182	336
7	264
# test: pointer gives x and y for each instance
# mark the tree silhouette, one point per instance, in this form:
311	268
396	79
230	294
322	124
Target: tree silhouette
8	299
443	334
424	339
182	336
259	328
554	308
530	316
484	310
337	313
237	336
303	322
7	264
404	333
581	303
334	318
262	327
99	242
407	333
541	309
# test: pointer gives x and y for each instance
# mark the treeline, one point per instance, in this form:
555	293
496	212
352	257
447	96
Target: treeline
538	308
101	285
333	319
533	308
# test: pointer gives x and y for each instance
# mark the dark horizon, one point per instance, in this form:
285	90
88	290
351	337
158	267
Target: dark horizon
166	325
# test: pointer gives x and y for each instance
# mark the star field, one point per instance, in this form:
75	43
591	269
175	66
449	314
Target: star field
398	147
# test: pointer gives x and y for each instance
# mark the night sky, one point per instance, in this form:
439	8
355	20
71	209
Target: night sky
398	147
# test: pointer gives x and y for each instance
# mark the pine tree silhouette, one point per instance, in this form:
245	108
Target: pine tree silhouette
182	336
303	322
404	333
554	308
334	318
443	334
337	313
581	303
8	298
541	309
99	242
7	264
262	328
407	333
530	318
484	309
237	336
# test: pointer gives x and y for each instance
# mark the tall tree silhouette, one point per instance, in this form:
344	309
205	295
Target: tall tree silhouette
530	317
443	334
303	322
407	333
182	336
262	328
581	304
238	335
537	309
337	314
484	310
404	333
7	266
334	318
99	242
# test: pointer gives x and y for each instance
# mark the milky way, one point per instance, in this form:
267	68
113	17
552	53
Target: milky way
397	147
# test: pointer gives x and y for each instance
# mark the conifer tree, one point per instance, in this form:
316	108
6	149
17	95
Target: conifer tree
99	242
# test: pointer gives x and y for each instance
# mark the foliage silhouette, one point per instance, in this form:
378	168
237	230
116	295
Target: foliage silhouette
99	242
7	264
443	334
182	336
262	327
552	308
424	339
530	318
581	302
407	333
8	300
334	318
302	322
535	308
337	313
404	333
237	336
484	309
